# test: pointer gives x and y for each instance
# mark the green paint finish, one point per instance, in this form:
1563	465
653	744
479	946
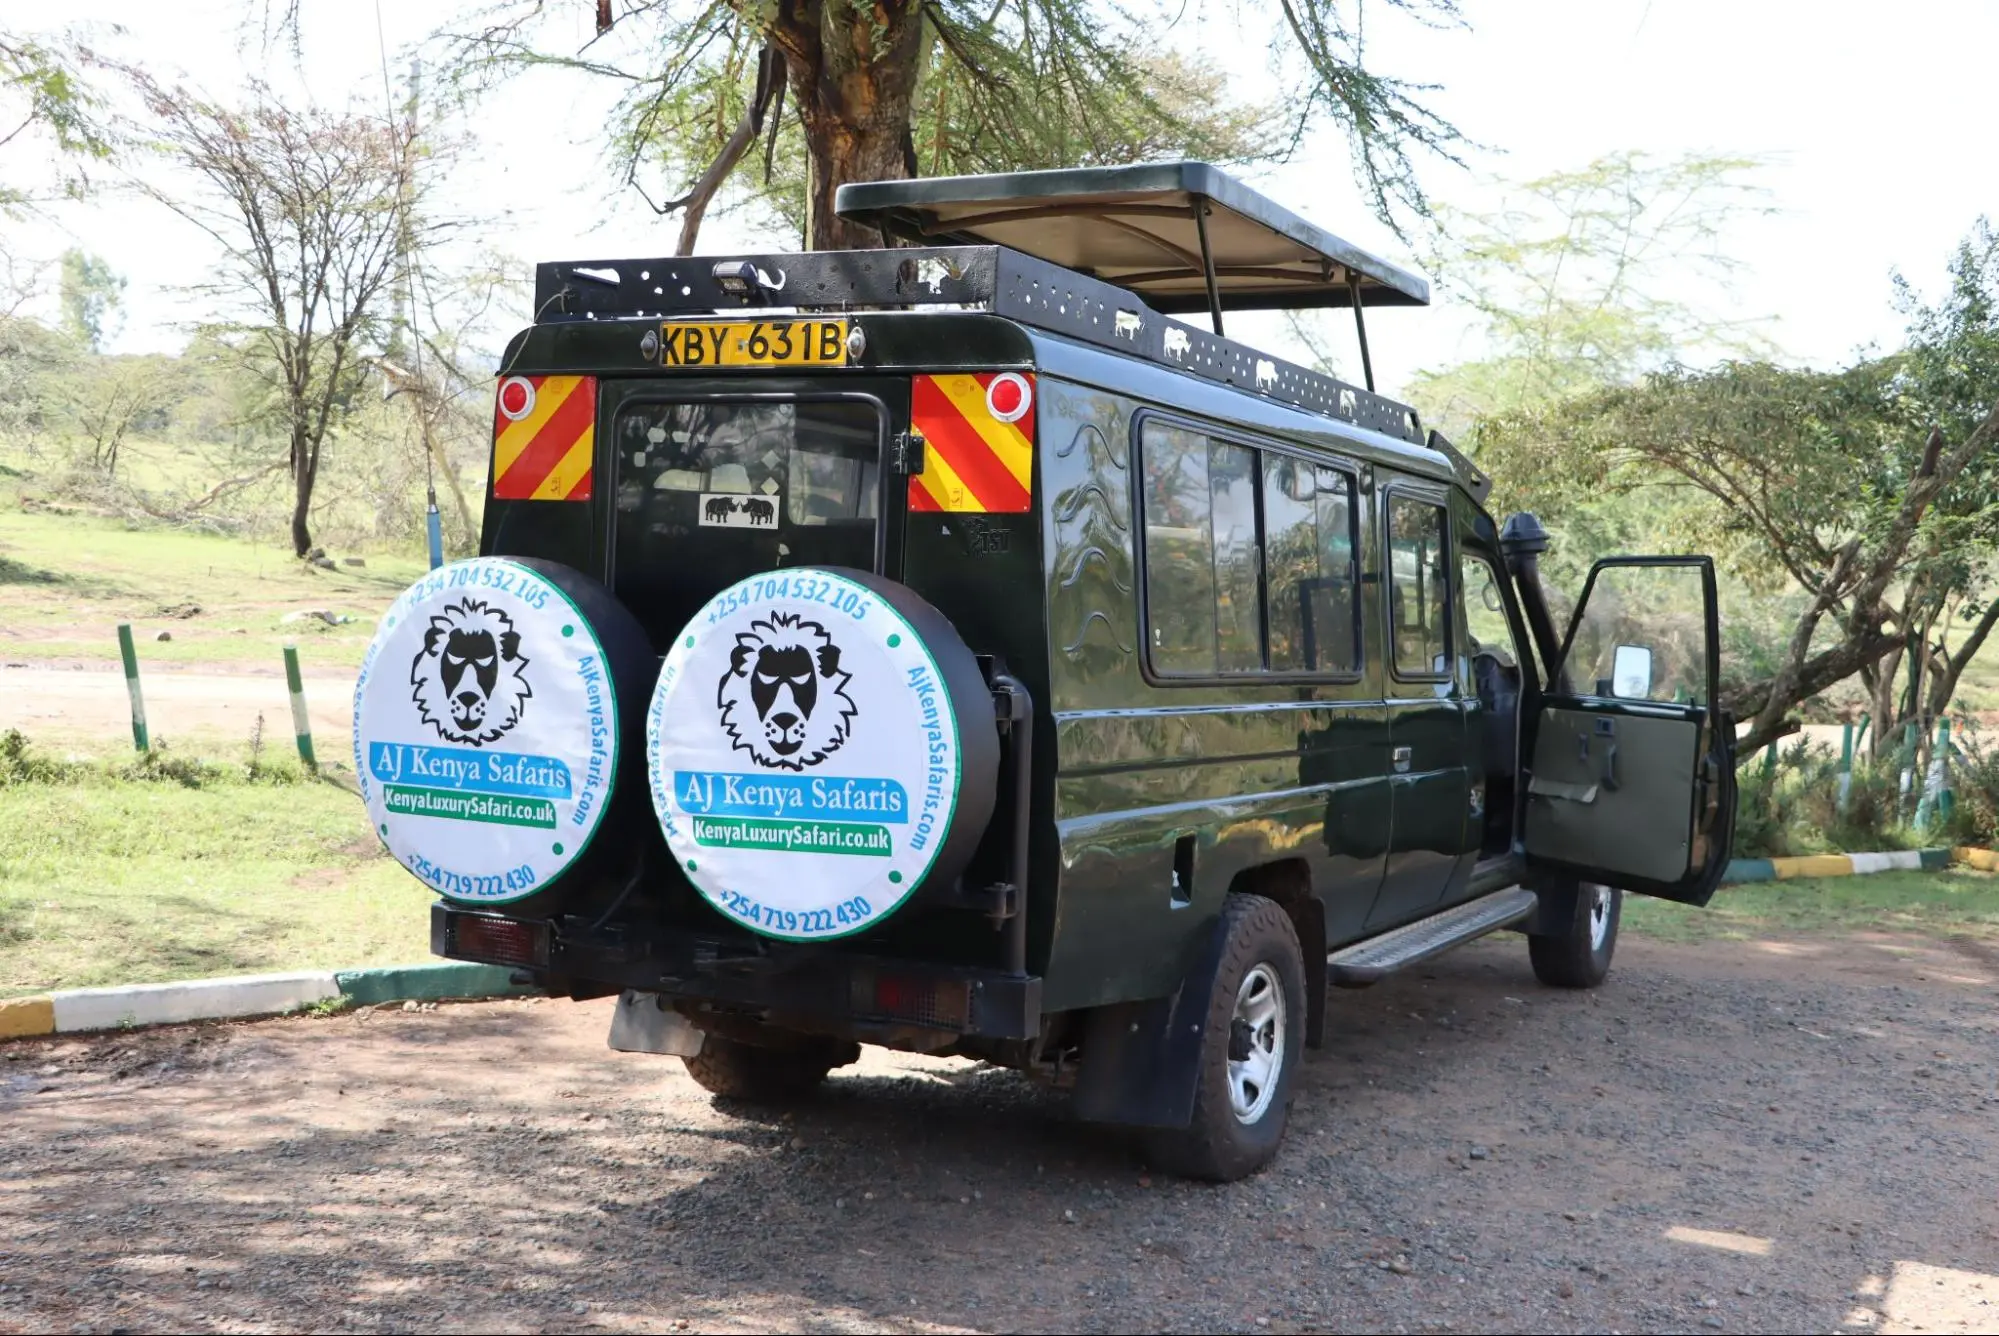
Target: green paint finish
1935	859
426	983
1749	869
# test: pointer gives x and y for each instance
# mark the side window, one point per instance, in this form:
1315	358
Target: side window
1419	587
1642	636
1249	558
1485	608
1308	517
1179	549
1238	616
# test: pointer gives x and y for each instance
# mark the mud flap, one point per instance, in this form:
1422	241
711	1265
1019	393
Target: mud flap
644	1023
1142	1060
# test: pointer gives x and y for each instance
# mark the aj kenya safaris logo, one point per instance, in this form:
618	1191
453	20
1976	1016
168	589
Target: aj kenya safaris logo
784	699
469	680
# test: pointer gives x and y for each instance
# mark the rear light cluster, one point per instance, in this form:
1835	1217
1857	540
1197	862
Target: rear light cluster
498	941
941	1003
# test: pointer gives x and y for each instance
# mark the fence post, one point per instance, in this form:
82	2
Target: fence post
1845	764
1946	800
433	526
141	740
1930	803
1906	758
301	722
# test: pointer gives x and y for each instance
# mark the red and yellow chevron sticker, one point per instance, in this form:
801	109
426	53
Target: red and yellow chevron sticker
544	438
978	452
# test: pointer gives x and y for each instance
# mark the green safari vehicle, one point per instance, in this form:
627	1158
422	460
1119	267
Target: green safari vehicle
943	647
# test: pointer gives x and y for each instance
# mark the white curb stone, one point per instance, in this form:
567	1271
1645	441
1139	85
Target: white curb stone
193	1000
1904	859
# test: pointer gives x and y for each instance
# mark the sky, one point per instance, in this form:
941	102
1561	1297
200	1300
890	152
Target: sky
1870	121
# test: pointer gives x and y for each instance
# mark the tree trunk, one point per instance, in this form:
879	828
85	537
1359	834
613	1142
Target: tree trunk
304	473
853	73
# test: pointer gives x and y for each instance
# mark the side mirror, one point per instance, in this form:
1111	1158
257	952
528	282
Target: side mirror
1631	672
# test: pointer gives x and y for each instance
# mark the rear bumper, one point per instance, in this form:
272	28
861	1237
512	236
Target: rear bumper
816	988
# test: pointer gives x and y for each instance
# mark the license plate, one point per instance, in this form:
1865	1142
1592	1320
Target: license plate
807	343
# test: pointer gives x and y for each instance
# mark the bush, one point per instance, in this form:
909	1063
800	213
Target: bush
1795	809
22	763
1975	782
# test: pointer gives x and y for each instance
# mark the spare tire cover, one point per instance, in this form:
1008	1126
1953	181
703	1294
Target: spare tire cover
821	744
487	723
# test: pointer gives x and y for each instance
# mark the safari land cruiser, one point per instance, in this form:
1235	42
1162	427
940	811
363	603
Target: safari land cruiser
943	647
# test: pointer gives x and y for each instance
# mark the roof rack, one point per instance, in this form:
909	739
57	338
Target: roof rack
993	278
1156	229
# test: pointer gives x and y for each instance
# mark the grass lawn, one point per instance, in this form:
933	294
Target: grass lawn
66	581
1956	901
121	881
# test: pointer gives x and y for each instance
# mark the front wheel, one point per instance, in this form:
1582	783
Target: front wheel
1579	956
1250	1052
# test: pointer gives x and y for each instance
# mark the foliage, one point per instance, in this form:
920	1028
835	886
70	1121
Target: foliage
90	292
906	87
1975	782
314	212
1856	534
1588	278
42	89
23	763
1793	808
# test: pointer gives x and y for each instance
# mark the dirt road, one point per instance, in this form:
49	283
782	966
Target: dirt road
197	710
1760	1137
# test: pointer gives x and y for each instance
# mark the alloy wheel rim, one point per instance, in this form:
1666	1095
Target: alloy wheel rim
1256	1043
1599	916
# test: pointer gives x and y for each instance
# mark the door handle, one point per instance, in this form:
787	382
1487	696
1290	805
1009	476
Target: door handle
1610	767
1400	756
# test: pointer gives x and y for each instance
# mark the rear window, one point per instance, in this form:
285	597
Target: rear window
711	492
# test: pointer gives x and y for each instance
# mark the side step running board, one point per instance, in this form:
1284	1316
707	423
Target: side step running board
1375	959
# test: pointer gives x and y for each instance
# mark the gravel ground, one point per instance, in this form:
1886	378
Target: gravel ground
1774	1136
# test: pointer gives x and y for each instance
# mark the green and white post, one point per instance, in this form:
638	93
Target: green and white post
1845	764
301	722
141	740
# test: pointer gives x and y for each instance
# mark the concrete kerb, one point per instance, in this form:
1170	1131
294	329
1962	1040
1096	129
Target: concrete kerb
1851	865
78	1010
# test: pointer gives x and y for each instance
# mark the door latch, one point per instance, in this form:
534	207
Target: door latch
1400	758
906	455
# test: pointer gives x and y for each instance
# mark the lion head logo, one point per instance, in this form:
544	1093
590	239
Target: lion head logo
784	699
466	681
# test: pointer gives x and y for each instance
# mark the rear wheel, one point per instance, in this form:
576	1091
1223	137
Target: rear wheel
1579	957
1250	1052
738	1070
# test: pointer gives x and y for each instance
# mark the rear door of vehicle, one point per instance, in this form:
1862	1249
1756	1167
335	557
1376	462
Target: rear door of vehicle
1632	780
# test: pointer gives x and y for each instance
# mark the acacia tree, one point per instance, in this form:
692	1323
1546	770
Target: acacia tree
884	89
1874	490
310	209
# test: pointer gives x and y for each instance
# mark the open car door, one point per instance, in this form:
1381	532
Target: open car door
1633	775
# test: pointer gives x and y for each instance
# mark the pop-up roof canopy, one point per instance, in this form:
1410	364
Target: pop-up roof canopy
1156	230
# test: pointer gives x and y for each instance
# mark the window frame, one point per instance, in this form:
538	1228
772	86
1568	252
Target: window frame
1259	446
1387	492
